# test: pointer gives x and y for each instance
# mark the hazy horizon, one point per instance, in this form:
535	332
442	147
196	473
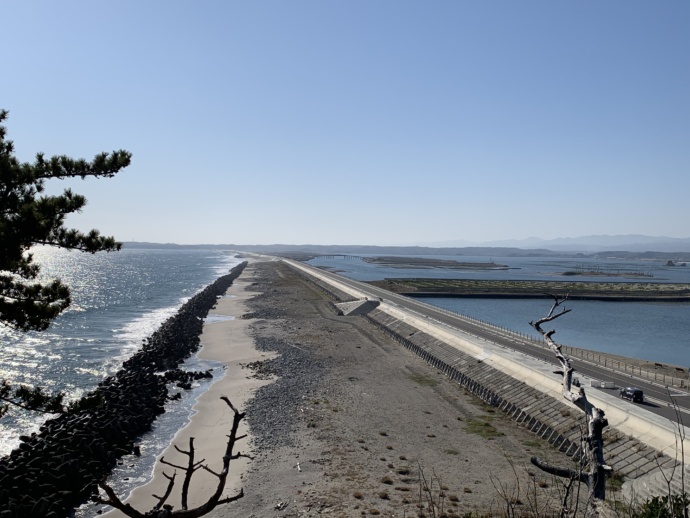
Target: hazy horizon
587	244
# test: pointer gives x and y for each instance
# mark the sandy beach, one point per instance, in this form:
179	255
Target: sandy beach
355	423
226	341
351	423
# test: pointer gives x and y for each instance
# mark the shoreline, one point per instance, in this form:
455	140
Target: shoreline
354	420
228	342
333	434
78	448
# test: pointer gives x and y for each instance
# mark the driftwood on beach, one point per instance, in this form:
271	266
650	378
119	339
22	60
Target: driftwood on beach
162	509
59	468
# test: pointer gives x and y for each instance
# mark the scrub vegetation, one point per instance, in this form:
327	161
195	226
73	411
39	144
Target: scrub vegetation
532	289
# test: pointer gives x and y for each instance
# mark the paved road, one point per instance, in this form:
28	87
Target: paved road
658	400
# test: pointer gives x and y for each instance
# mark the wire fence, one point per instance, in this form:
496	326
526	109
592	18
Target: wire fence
584	354
634	370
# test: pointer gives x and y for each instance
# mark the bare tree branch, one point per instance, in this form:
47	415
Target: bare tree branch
163	461
569	473
595	477
188	472
213	501
115	502
211	471
550	316
162	499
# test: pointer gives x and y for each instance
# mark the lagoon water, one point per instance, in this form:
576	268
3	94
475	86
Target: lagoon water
657	332
121	298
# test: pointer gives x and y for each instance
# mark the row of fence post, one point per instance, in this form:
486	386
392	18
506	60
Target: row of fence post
582	353
670	381
588	355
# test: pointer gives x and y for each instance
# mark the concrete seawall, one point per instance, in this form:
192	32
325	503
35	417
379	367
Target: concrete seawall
638	444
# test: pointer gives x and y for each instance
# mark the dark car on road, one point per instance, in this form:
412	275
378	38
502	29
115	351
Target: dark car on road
632	394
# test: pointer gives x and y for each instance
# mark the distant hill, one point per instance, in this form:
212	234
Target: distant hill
622	247
353	249
592	244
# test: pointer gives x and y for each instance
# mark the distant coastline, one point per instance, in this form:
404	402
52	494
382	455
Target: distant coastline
306	252
610	291
423	263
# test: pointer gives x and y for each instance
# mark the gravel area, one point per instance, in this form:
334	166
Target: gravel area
271	413
356	425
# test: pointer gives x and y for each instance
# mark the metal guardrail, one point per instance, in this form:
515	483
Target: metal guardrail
577	352
584	354
669	381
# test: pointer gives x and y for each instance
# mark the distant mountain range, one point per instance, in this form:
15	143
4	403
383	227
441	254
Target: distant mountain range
589	244
624	247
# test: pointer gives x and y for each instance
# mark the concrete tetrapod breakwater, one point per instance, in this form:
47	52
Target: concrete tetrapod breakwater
57	469
638	444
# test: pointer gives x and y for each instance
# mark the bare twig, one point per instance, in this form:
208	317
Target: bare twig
115	502
595	477
168	490
213	501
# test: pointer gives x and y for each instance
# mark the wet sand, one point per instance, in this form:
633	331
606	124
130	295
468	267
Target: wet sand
227	342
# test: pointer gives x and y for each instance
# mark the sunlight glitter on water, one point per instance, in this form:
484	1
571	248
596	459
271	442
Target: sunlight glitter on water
118	301
143	326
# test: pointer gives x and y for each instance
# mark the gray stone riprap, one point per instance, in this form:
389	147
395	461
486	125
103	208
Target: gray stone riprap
544	415
639	464
656	482
57	469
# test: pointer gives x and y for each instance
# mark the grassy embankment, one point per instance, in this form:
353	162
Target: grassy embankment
637	291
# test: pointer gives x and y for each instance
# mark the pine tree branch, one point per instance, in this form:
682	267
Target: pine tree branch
28	398
61	166
28	218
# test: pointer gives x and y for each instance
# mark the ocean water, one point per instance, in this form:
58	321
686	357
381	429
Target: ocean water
119	299
658	332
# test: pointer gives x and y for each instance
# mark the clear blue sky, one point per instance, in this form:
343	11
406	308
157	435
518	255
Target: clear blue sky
360	122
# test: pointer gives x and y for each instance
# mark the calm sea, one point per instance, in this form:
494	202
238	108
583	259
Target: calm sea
657	332
118	300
